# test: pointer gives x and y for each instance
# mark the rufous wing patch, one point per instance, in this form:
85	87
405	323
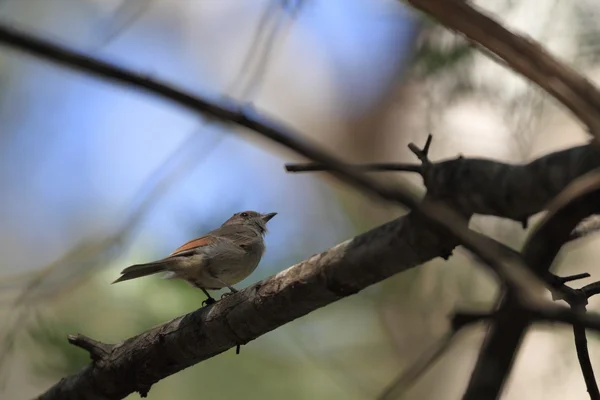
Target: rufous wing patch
199	242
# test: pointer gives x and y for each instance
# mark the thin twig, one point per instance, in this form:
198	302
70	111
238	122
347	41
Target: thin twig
375	167
585	363
577	300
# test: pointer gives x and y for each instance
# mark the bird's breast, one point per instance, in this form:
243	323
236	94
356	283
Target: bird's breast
234	266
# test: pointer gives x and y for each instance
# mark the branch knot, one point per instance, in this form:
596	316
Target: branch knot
98	351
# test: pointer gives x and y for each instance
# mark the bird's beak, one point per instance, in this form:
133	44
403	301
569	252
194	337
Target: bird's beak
267	217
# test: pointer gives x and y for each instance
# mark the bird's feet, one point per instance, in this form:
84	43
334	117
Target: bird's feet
208	302
232	291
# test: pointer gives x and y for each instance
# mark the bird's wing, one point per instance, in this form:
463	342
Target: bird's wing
188	247
238	235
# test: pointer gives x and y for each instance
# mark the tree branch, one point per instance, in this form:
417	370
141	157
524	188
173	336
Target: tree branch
139	362
98	351
375	167
585	363
578	201
578	300
489	187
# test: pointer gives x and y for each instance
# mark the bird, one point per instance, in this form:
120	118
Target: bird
218	259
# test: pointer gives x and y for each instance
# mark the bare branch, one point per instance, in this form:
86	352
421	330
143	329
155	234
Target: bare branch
571	278
422	154
583	356
375	167
489	187
345	269
98	351
576	202
578	299
543	313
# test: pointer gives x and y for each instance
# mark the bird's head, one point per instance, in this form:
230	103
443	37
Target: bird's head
252	218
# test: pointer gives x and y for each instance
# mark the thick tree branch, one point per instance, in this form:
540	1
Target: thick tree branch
139	362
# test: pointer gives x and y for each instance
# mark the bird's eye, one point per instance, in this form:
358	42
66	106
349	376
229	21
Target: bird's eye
244	214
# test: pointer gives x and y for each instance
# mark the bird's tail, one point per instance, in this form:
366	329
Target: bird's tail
139	270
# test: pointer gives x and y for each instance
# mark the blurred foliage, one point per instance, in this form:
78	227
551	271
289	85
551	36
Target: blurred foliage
589	37
60	358
429	60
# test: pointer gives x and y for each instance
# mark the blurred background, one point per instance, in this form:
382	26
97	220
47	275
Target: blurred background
95	177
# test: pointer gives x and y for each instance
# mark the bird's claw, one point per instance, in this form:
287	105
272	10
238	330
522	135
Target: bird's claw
208	302
226	294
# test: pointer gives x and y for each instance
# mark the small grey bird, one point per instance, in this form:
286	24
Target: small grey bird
218	259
